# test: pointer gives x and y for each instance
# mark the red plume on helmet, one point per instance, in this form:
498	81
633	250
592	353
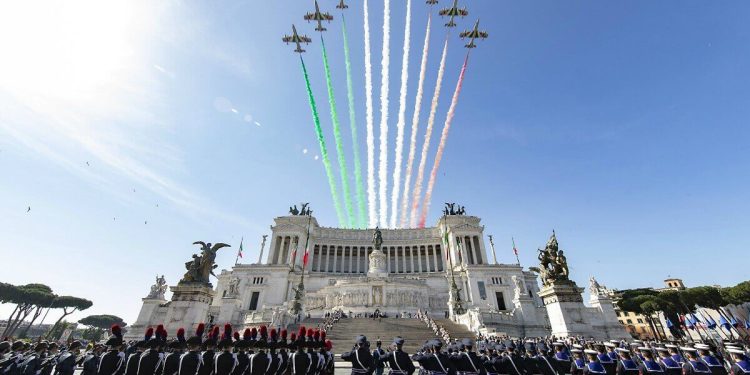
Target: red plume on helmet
215	333
283	333
316	335
246	335
328	345
310	332
301	332
323	335
273	334
149	333
294	336
199	330
253	333
237	336
263	331
181	335
116	330
227	331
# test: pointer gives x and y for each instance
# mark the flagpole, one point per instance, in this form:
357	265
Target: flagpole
492	245
515	251
239	251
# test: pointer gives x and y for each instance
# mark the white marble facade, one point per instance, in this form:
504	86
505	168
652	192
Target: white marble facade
500	298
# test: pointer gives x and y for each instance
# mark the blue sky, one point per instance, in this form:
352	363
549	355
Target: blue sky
620	125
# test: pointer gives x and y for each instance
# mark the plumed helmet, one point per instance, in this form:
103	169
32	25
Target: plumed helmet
116	338
198	338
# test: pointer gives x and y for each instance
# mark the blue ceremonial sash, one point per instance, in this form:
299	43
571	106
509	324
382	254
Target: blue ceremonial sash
678	358
651	366
604	358
744	365
579	363
670	363
711	361
699	366
560	356
596	368
613	356
629	364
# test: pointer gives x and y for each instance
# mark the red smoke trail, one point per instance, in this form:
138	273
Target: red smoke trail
441	146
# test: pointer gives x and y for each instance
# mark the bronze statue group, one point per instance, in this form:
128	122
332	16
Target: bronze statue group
307	352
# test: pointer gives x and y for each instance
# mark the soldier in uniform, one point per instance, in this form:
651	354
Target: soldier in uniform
674	352
693	365
283	354
561	359
376	354
741	364
273	343
530	363
32	363
717	368
544	360
192	360
649	365
320	338
50	361
11	360
111	362
398	360
626	365
513	361
604	358
66	363
260	361
578	363
668	364
360	357
224	362
299	360
434	361
90	360
131	360
611	346
150	359
207	367
593	367
240	344
330	361
172	360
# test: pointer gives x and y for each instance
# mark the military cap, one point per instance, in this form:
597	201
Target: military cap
688	349
5	345
398	340
75	345
736	351
610	345
360	340
591	352
467	342
436	344
622	350
17	345
116	338
542	347
702	347
530	347
576	351
41	346
198	337
670	346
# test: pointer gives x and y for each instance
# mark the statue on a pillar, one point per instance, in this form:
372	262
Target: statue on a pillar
377	238
553	265
202	266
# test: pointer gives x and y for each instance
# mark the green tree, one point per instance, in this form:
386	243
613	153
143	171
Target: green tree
102	321
28	299
69	305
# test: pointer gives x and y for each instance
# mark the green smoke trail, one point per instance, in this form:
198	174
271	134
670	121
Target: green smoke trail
323	149
339	140
360	188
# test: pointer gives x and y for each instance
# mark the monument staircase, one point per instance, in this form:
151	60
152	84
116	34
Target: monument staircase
414	331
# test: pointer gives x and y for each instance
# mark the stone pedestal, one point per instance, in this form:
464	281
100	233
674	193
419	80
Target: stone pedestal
567	313
148	314
189	306
378	266
608	322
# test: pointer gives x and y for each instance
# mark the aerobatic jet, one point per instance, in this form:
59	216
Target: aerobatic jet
452	12
474	34
431	2
342	5
297	39
319	17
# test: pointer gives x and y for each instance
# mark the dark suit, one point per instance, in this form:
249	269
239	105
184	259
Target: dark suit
299	362
111	363
171	364
361	359
399	362
190	363
66	364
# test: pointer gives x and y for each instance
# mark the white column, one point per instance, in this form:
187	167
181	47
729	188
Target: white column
328	258
351	258
335	257
411	258
357	270
320	256
387	258
403	259
419	258
435	257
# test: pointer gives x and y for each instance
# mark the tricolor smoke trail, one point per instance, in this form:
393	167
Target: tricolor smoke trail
401	118
415	126
427	136
385	63
372	209
441	146
338	139
360	189
323	149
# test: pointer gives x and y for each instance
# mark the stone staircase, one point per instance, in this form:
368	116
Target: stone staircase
414	331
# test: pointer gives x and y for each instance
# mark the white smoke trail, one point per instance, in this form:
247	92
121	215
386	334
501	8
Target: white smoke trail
414	126
401	117
385	63
427	136
441	145
372	209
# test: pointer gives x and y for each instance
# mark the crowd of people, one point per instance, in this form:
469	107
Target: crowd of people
253	352
265	351
436	327
575	356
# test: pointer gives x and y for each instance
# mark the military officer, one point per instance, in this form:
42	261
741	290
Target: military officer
560	359
192	360
283	353
209	354
649	365
693	364
376	354
514	361
398	360
131	360
741	364
530	363
713	363
111	362
360	357
626	365
594	366
578	363
172	359
66	363
670	366
151	358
